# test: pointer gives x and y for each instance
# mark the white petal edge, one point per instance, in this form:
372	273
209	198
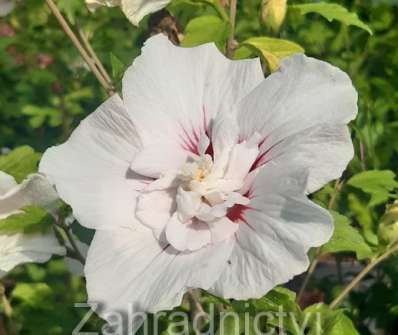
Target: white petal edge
135	10
34	190
33	248
91	170
94	4
305	92
271	248
7	182
144	274
204	83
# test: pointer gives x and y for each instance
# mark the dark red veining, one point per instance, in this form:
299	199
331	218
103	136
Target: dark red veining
260	160
190	139
236	212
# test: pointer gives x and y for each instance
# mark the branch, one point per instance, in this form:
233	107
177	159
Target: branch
77	44
7	309
231	43
72	251
94	56
362	274
195	307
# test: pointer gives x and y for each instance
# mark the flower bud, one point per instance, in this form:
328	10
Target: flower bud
273	14
388	228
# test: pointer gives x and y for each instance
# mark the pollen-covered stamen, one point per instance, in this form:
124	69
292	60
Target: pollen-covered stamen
194	173
201	194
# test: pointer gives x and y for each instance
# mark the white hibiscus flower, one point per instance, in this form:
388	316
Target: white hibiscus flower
134	10
21	248
198	177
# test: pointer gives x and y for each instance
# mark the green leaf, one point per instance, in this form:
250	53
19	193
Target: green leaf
212	3
20	162
30	220
243	52
118	67
280	300
38	295
272	50
70	8
340	324
230	324
279	296
346	238
326	321
217	6
206	29
332	11
363	216
38	115
377	183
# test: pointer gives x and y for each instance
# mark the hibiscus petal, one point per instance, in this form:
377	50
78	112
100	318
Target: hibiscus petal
91	170
94	4
165	207
35	190
271	247
7	182
135	10
150	276
19	249
305	92
154	161
224	135
172	93
222	229
188	203
242	158
187	236
325	150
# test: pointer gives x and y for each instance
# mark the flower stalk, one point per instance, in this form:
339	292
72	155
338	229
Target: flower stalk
94	56
391	250
196	308
231	43
72	250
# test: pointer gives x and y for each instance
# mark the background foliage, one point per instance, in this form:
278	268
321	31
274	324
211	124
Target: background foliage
46	89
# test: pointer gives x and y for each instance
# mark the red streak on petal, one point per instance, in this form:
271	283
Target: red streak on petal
262	141
190	139
205	122
236	212
210	150
166	247
190	143
260	160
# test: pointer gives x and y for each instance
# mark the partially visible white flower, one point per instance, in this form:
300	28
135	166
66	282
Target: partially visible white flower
135	10
94	4
6	6
21	248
